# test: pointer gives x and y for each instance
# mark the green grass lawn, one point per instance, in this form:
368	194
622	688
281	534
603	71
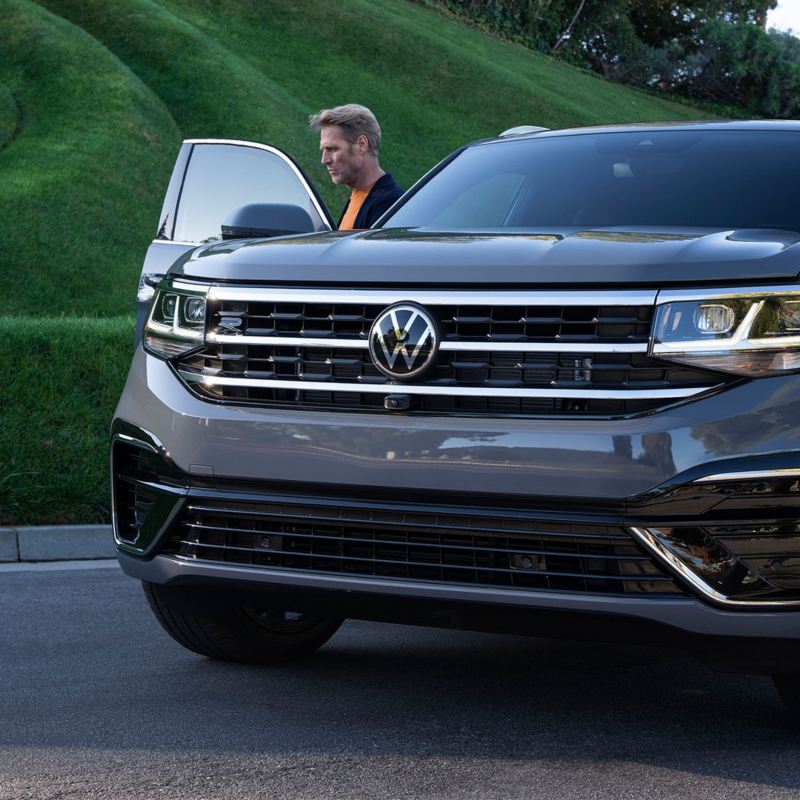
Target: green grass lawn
64	377
95	97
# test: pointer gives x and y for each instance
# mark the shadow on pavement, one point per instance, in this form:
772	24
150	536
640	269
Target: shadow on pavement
85	664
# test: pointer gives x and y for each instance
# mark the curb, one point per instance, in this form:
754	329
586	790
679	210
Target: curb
56	543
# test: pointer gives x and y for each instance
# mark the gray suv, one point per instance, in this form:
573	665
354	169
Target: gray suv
553	391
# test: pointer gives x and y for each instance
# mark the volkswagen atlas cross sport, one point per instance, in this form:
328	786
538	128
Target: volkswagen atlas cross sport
554	391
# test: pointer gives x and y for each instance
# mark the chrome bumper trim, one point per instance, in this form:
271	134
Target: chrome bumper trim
467	347
450	391
758	474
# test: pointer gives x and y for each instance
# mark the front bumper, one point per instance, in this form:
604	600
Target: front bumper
638	473
687	614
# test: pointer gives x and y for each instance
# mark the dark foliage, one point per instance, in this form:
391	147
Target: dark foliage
715	50
742	64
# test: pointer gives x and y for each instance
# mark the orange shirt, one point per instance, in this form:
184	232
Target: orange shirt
357	198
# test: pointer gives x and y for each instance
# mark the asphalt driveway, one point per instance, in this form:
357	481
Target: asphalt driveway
98	702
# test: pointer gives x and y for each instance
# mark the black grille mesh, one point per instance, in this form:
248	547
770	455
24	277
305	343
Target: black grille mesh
475	547
133	500
457	323
771	548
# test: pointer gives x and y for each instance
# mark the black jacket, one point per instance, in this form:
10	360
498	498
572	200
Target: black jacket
380	197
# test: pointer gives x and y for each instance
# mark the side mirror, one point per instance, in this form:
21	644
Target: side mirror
266	219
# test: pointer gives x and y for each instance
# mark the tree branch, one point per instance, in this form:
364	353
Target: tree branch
564	36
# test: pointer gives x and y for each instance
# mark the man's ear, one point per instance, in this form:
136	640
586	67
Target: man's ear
363	144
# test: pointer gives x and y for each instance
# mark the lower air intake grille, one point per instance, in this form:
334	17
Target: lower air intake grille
144	497
475	546
133	499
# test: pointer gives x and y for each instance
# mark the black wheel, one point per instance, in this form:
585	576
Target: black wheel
246	635
788	687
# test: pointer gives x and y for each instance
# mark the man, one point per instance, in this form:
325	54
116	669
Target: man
349	140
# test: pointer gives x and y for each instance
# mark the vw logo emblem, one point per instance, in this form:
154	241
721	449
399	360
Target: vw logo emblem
403	341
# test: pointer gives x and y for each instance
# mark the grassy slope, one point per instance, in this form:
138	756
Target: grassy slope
77	179
9	116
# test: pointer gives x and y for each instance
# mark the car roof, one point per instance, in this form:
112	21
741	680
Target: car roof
709	125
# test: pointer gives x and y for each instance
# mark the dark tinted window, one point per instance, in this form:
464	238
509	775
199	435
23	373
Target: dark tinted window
716	179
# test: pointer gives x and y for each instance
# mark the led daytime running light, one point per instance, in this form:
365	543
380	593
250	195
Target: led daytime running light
176	322
751	333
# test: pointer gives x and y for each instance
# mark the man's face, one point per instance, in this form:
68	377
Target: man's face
341	158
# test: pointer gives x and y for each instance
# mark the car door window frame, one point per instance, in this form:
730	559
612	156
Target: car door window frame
172	198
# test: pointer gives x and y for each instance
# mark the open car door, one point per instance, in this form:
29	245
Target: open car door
211	181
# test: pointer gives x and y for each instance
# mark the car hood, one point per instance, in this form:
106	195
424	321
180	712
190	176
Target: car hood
576	256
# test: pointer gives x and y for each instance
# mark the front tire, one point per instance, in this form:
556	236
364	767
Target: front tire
245	635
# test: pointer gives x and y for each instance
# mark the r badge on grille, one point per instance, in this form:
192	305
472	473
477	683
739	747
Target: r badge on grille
403	341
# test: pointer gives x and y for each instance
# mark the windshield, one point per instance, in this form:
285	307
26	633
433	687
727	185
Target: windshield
696	178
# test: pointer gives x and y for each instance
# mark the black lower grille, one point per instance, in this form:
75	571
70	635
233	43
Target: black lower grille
133	500
144	494
769	547
469	546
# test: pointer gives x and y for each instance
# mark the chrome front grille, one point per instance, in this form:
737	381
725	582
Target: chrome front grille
499	353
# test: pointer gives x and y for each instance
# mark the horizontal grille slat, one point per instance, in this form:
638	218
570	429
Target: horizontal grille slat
399	543
478	546
586	368
405	562
457	322
506	525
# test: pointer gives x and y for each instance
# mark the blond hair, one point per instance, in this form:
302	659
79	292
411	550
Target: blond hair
354	120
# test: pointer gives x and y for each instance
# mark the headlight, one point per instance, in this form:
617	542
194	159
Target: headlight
754	332
177	320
